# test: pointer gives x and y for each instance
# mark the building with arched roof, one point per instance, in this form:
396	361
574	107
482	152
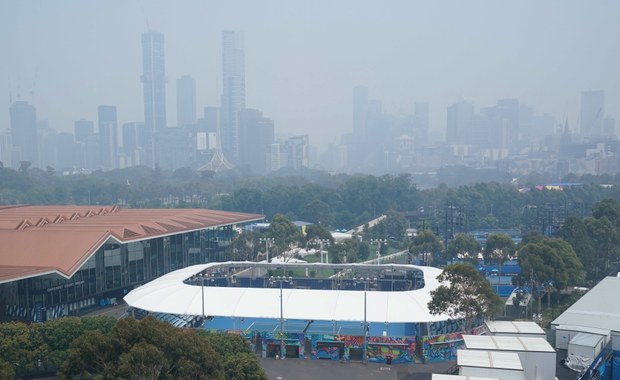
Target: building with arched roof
62	260
329	311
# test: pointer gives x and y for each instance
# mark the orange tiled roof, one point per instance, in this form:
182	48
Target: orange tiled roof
58	239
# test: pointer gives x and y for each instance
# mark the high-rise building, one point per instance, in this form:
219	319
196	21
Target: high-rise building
257	135
609	127
460	116
135	138
233	95
24	132
360	109
297	149
108	137
86	144
83	129
154	83
592	114
186	101
420	123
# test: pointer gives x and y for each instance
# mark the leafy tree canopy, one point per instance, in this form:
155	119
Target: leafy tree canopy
463	246
464	294
551	261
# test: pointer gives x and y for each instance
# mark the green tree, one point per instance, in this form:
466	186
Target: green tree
284	232
143	361
58	334
427	243
574	232
463	246
21	346
6	371
318	212
244	246
91	354
499	247
605	240
607	208
394	226
553	265
146	349
239	362
315	231
464	295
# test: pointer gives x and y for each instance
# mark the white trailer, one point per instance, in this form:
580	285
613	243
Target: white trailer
514	328
493	364
537	356
458	377
586	345
565	333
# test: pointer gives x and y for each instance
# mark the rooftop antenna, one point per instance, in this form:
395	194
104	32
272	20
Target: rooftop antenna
34	85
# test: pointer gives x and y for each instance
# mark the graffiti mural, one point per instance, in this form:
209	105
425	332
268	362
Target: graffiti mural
444	327
398	350
328	347
268	344
442	347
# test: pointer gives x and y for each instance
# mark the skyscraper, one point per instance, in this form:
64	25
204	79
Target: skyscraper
24	132
83	130
154	82
186	101
460	116
360	108
592	113
86	145
257	135
108	137
233	95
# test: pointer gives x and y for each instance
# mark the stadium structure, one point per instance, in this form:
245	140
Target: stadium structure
359	312
64	260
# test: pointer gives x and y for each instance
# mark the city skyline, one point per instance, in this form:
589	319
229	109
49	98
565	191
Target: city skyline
303	59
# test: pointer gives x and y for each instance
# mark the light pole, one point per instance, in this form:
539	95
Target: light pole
378	242
281	279
322	242
267	241
202	288
365	281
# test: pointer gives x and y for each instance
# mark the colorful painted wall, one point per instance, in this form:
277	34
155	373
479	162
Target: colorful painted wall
268	344
437	348
399	350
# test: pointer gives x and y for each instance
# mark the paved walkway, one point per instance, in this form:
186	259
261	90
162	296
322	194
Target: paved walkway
307	369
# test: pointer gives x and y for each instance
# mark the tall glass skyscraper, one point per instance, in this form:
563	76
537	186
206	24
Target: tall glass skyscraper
186	101
233	95
592	113
24	132
154	82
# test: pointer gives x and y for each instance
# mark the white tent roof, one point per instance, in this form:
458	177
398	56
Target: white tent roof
598	308
169	294
507	343
489	359
587	340
514	327
437	376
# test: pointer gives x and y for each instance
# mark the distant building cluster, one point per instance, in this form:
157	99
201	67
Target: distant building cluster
508	135
223	137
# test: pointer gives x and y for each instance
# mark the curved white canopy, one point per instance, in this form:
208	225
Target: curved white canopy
169	294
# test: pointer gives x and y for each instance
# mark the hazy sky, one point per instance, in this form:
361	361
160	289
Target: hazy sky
304	57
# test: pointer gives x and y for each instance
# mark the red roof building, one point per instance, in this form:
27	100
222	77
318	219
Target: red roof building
60	260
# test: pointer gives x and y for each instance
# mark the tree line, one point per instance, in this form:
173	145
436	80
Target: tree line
337	201
102	347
